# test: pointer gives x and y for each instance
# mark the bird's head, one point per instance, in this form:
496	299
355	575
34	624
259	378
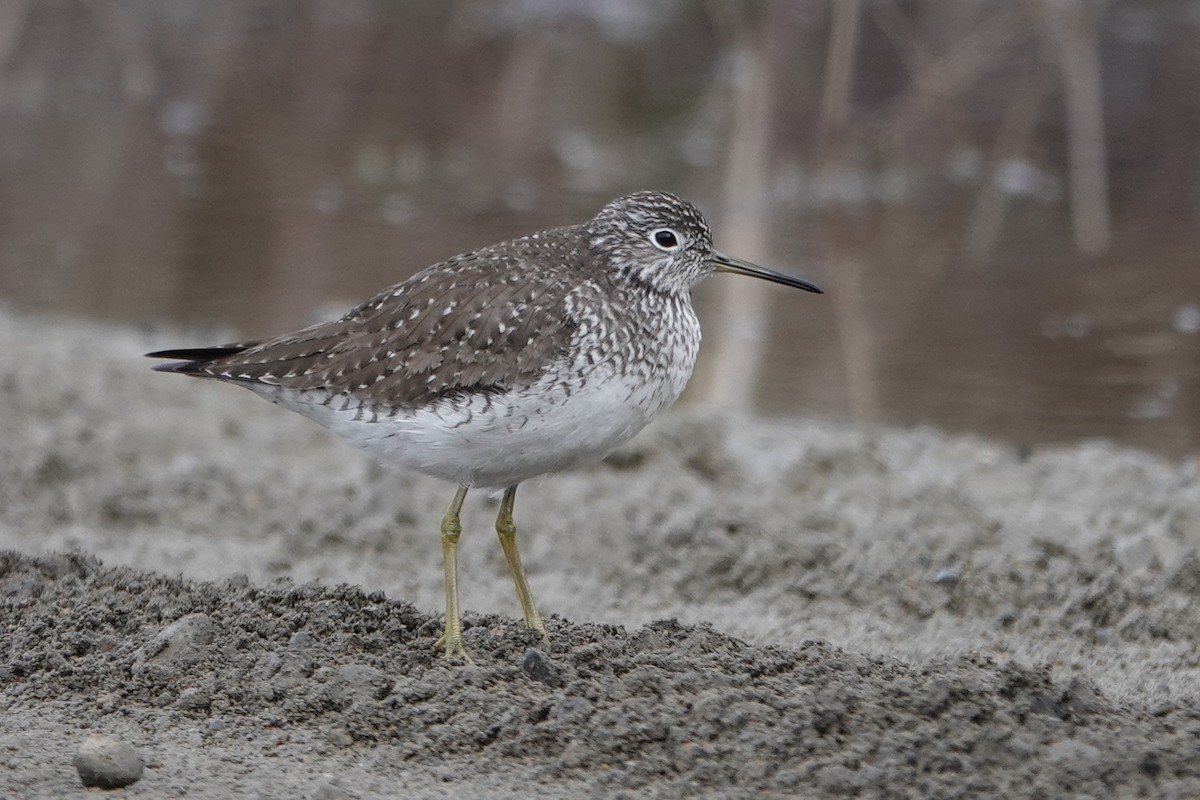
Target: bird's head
659	240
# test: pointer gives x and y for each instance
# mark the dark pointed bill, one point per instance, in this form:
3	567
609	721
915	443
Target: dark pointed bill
738	267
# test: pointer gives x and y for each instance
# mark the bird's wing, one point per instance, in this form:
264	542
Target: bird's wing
480	321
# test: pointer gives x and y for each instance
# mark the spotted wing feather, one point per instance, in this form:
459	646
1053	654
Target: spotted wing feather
474	323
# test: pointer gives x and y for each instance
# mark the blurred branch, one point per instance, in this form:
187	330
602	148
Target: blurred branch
127	32
519	109
941	78
741	337
1012	140
916	57
839	68
1073	23
843	252
14	14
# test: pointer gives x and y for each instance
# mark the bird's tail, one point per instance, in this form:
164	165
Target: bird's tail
193	360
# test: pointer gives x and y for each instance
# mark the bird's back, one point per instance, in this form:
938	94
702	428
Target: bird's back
488	320
487	369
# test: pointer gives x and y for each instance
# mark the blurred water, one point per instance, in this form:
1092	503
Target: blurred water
255	164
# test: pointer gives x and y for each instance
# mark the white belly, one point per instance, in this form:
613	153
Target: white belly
498	440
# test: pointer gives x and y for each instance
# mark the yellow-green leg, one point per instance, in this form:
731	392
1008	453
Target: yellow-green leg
507	531
451	641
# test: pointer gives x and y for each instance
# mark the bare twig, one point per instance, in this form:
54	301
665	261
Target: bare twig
977	52
520	101
14	14
1012	140
736	363
919	62
1074	25
845	260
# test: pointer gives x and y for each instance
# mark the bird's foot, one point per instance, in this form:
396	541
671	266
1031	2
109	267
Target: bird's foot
537	626
451	645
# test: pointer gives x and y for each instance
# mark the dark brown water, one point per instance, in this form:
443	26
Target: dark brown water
255	164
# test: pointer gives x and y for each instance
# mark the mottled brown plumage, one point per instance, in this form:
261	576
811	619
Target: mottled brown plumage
473	323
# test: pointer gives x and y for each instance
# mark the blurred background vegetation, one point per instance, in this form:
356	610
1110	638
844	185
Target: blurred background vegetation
1001	197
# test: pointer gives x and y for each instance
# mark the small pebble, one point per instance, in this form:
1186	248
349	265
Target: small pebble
107	763
301	640
950	575
538	667
184	642
193	699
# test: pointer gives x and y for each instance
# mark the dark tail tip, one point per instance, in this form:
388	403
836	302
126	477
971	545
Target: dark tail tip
192	360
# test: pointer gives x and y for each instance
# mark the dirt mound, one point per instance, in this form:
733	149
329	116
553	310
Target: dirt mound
676	708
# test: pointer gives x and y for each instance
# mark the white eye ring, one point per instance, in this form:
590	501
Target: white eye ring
666	239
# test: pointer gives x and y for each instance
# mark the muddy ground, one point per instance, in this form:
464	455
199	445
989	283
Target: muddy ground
739	607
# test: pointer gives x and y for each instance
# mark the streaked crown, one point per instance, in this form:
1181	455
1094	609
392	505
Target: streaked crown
653	238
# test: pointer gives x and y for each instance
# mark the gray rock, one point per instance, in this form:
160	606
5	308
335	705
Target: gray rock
301	640
107	763
193	698
948	576
184	642
539	668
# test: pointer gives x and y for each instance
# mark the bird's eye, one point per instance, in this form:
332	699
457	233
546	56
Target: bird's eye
665	239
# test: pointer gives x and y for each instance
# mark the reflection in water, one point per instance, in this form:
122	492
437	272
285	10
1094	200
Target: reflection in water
940	169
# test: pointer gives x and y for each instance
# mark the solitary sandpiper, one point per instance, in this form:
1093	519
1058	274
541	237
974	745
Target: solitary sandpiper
522	358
